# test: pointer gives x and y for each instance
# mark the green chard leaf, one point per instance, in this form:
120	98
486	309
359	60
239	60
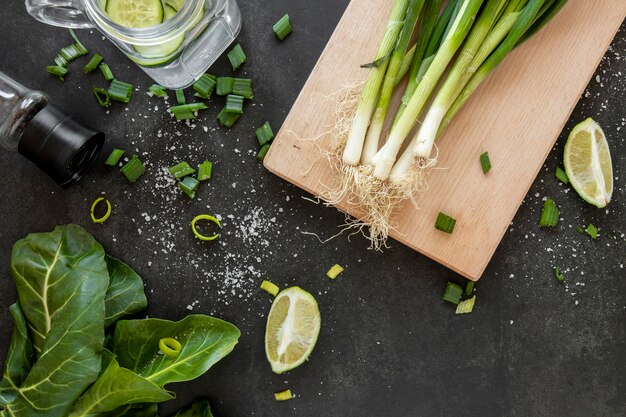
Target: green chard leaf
205	340
19	358
197	409
125	293
115	388
61	278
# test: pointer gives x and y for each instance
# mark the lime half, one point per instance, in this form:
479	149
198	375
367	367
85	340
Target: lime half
587	161
292	329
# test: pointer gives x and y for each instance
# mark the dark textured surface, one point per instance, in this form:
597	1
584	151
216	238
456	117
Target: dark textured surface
389	346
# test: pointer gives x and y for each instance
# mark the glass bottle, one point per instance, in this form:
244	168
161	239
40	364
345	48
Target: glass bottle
57	143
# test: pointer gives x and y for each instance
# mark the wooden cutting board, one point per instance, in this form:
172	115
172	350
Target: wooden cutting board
516	115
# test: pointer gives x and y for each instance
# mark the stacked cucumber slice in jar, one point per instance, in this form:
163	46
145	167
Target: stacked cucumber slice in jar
148	13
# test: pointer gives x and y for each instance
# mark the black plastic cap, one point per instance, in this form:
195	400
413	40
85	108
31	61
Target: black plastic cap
60	145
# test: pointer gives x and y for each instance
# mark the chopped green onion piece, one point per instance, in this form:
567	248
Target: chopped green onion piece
157	90
561	175
114	157
549	214
237	57
120	91
485	163
262	152
580	230
466	306
334	271
592	231
170	347
181	170
188	107
93	63
445	223
204	86
558	274
205	217
189	185
224	86
265	134
453	292
106	72
270	287
243	87
469	288
93	211
227	119
60	61
180	97
102	96
282	28
283	395
70	53
133	169
187	111
57	70
234	104
205	170
185	115
79	44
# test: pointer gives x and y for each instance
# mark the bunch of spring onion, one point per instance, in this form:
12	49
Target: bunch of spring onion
457	46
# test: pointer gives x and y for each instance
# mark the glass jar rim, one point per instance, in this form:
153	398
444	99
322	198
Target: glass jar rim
162	32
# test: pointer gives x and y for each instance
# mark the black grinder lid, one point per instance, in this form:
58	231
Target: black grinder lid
60	145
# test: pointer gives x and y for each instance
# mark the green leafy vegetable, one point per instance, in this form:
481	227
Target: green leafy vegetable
116	387
19	359
61	279
205	340
125	294
57	365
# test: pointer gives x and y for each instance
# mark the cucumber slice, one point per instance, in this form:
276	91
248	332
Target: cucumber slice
165	49
176	4
135	13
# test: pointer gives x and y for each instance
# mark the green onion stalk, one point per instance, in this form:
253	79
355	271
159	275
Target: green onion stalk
372	139
532	17
459	76
356	137
430	37
386	157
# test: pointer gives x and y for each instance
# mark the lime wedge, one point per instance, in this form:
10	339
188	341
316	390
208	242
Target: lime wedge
292	329
587	161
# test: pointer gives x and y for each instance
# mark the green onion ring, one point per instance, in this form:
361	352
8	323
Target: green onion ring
205	217
106	215
170	347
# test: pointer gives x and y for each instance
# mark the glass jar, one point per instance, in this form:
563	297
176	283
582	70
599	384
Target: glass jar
174	53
